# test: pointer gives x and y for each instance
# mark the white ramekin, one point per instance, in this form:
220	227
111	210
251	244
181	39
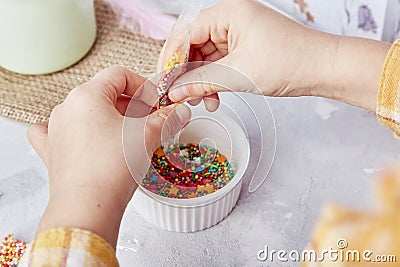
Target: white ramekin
190	215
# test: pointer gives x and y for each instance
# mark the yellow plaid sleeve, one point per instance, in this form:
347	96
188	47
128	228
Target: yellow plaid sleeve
68	247
388	106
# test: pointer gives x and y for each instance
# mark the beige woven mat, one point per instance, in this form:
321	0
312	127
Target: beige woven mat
30	99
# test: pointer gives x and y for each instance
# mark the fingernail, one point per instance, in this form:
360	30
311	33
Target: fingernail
178	94
183	113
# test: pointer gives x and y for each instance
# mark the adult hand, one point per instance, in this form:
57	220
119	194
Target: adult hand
90	183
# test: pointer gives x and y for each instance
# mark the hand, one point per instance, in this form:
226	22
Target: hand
90	183
280	56
256	41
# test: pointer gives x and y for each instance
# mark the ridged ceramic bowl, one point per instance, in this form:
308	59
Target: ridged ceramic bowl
194	214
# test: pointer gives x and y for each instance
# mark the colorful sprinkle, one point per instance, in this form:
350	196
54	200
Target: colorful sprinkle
11	251
172	70
187	171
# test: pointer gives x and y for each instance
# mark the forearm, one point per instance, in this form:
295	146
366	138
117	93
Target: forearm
98	211
352	70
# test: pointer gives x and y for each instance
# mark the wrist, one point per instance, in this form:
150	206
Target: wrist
98	210
314	77
349	70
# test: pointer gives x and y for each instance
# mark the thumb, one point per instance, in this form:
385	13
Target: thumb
209	79
164	123
142	136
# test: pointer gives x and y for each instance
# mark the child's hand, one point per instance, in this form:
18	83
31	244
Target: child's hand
272	50
90	184
280	56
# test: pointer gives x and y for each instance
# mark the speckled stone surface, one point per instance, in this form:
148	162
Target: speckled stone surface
326	151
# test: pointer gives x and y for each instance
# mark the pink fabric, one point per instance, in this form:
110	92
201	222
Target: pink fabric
142	17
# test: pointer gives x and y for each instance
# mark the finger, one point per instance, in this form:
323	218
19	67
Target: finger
208	27
37	137
195	64
115	81
207	80
147	92
143	136
196	46
123	103
217	55
133	108
211	102
208	48
164	124
195	102
200	32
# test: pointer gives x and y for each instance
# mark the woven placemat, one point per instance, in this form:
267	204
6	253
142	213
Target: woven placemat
31	99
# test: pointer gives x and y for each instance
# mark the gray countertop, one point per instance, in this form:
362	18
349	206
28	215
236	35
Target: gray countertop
326	151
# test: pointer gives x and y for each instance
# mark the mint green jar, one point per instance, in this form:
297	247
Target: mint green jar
44	36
